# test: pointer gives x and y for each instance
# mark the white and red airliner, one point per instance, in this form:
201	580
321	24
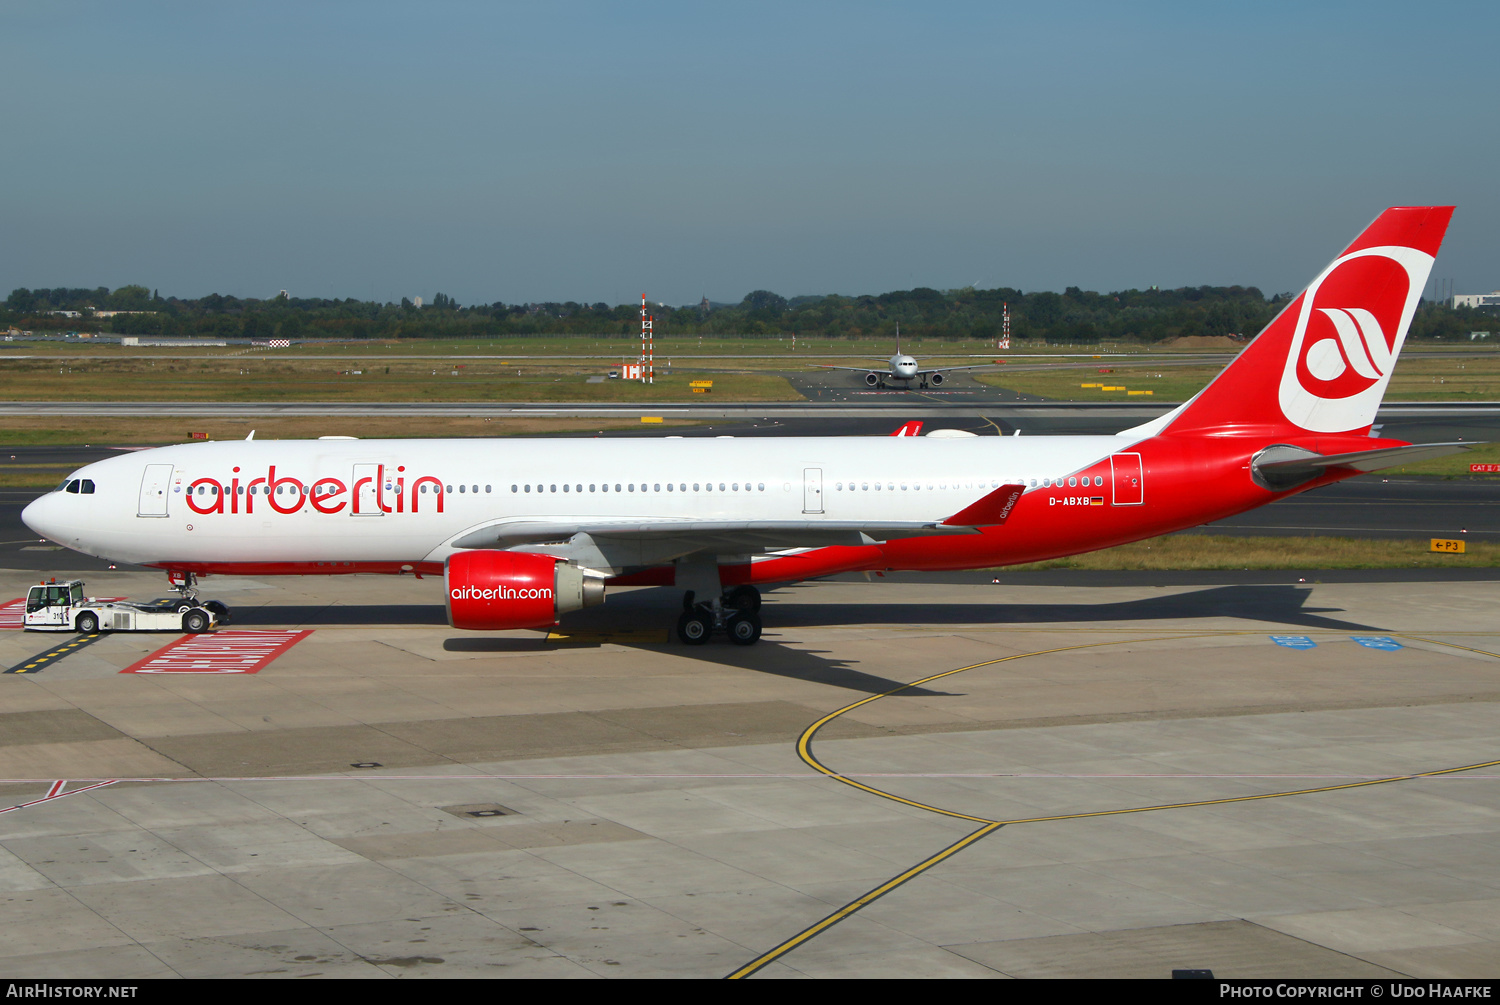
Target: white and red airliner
525	530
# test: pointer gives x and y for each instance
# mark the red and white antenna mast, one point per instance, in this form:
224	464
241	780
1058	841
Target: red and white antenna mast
648	369
1004	327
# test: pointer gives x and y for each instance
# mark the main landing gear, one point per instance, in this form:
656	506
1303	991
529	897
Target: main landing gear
737	612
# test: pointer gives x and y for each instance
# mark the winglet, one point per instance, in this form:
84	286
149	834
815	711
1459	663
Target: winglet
991	511
912	428
251	436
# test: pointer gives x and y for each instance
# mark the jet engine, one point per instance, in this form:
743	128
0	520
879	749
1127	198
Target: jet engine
935	379
492	590
872	379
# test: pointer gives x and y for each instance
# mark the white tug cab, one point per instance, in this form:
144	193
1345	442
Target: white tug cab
62	607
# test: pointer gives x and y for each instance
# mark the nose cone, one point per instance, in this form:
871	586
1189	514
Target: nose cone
42	517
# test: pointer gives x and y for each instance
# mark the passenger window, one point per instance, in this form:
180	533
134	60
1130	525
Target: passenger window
656	487
617	486
449	488
486	490
591	486
683	487
631	487
669	486
424	488
761	487
460	488
721	486
565	487
578	488
513	488
554	488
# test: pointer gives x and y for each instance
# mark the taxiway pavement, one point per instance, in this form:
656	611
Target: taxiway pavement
390	797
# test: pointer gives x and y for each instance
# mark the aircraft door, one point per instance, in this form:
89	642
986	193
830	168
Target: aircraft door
812	490
366	496
1129	479
156	484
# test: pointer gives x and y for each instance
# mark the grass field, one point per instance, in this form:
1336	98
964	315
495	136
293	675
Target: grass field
21	432
1203	551
1423	376
740	368
137	378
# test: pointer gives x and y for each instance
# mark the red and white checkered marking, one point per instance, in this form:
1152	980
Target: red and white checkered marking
13	613
219	652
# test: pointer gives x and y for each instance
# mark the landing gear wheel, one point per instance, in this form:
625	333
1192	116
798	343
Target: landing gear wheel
744	628
743	598
694	627
195	622
88	623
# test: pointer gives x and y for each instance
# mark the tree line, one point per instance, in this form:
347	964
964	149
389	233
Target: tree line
1073	316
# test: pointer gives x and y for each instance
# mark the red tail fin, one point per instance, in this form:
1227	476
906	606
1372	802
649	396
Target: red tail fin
912	428
1323	364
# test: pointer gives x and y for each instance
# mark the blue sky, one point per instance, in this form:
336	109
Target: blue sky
595	151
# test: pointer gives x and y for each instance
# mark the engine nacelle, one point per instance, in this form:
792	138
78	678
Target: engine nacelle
493	590
935	379
872	379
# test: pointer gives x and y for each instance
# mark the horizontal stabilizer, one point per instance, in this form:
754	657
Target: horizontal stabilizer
1283	467
991	511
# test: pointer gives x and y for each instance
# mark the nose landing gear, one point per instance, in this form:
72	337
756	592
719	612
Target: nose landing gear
736	612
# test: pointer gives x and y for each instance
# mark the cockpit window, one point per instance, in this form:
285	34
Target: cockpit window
86	486
62	485
72	486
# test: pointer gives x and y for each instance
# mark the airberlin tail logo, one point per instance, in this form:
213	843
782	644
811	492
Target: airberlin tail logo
1350	325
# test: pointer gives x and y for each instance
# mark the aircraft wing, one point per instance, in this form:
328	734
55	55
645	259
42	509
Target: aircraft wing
753	536
883	365
749	537
950	369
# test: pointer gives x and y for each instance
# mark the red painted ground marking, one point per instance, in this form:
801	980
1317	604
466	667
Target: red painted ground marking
13	612
55	791
219	652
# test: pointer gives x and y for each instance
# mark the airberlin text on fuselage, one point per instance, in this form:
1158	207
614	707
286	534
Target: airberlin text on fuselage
500	593
369	494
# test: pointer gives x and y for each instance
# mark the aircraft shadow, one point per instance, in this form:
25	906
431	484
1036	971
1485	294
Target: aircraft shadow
282	615
1279	604
632	619
768	657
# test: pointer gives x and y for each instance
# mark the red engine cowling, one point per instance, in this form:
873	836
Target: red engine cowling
493	590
